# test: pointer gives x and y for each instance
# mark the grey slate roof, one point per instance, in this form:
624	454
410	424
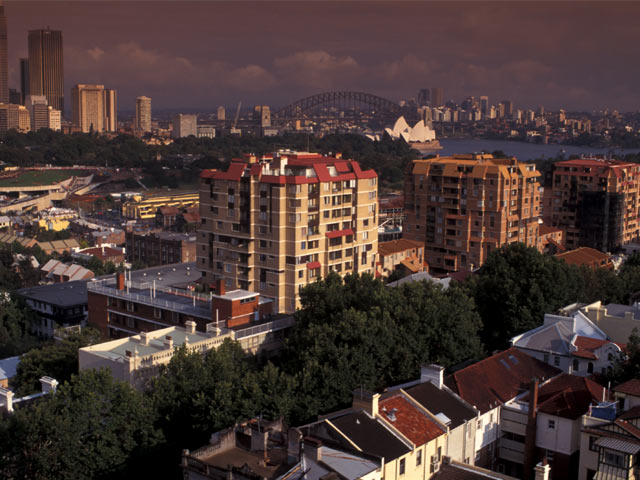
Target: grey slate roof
67	294
442	401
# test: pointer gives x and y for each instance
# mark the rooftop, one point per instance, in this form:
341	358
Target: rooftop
438	400
498	378
632	387
396	246
452	470
8	367
410	420
370	435
585	256
67	294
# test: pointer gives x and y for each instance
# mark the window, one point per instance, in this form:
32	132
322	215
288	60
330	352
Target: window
576	365
546	358
303	245
556	361
130	307
301	274
551	424
419	458
402	462
592	443
614	458
157	313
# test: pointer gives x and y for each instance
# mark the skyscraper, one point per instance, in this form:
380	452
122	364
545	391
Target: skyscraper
110	110
88	107
484	104
24	80
424	97
4	57
437	97
221	113
143	114
46	69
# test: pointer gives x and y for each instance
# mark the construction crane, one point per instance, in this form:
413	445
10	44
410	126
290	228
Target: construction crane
235	120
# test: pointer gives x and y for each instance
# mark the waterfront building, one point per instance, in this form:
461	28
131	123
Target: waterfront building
273	224
465	206
595	201
46	68
143	114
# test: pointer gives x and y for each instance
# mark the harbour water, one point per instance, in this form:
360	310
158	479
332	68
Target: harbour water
522	150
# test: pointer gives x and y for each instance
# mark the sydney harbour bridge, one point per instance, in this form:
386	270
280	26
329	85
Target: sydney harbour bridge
347	106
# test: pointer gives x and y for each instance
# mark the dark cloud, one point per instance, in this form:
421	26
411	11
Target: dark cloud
576	55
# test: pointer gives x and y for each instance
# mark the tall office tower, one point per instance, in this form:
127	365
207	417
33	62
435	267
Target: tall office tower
87	107
221	113
46	67
24	79
500	110
143	114
38	111
424	97
55	119
15	96
437	97
465	206
276	223
484	105
595	202
184	125
4	57
110	110
14	117
508	108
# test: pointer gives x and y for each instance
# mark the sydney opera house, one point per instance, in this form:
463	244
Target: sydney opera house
421	136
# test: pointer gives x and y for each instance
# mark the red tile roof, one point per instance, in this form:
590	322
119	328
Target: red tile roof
410	420
568	396
396	246
498	379
587	346
632	387
585	256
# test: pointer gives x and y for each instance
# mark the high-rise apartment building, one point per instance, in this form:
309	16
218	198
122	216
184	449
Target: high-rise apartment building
46	67
274	224
143	114
595	201
24	79
110	110
88	107
437	97
4	57
184	125
465	206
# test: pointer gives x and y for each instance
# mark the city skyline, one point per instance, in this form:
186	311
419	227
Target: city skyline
557	55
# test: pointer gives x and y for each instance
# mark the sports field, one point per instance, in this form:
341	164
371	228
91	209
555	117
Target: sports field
32	178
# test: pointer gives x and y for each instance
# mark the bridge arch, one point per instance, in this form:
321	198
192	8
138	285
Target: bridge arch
342	99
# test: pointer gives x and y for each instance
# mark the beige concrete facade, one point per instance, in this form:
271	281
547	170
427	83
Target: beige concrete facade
274	224
143	114
465	206
88	107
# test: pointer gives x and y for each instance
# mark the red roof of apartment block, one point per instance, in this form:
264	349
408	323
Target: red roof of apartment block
410	420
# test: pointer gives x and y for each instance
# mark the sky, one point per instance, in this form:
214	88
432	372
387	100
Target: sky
198	55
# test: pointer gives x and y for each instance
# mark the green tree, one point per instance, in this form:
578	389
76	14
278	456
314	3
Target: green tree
92	427
58	360
16	320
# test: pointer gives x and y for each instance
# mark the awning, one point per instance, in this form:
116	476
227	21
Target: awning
313	265
618	445
339	233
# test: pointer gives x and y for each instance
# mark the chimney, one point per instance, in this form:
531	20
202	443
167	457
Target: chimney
6	397
120	280
144	338
190	326
366	400
48	384
542	470
531	430
168	342
312	447
432	373
220	287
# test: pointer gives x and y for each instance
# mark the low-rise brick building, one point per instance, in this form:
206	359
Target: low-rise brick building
160	248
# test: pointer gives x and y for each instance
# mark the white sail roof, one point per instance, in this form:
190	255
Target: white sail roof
419	133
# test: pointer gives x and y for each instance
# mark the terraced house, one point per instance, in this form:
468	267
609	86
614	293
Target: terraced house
275	223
